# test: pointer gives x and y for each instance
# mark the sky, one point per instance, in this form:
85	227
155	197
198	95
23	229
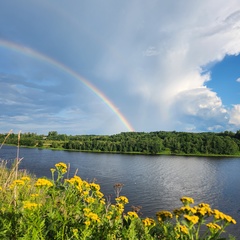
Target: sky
105	67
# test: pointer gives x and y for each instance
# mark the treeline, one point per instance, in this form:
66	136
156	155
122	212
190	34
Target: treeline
224	143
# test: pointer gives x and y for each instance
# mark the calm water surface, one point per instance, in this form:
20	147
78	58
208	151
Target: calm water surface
153	182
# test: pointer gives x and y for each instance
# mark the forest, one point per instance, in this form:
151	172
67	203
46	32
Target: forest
159	142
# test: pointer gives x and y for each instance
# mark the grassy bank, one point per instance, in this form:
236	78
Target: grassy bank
72	208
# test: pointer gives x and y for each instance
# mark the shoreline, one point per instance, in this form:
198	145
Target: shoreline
133	153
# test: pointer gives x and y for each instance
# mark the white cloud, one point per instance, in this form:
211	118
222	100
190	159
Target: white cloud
199	102
235	115
238	80
201	107
183	44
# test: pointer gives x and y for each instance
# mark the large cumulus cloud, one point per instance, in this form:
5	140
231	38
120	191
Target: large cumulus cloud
167	47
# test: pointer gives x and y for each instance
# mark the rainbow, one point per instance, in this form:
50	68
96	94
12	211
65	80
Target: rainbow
35	54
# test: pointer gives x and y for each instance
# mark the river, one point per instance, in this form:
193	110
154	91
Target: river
153	182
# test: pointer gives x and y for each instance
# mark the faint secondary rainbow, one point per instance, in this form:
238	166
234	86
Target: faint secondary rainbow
35	54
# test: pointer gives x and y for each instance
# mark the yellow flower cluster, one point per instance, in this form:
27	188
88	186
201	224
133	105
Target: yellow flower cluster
76	181
147	222
182	228
132	214
122	199
94	186
92	216
62	167
25	178
185	209
16	183
86	185
99	194
203	209
86	210
42	182
30	205
89	200
187	200
119	207
87	223
196	214
163	215
19	182
219	215
213	226
193	219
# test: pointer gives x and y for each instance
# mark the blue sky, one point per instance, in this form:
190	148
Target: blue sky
147	65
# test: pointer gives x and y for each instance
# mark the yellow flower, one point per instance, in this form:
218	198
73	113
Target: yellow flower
187	209
148	222
76	181
87	223
61	165
120	207
94	186
204	210
213	226
122	199
93	216
90	200
204	205
218	215
86	185
192	219
43	182
30	205
163	215
18	182
34	195
132	214
109	215
86	210
183	229
85	193
187	200
25	178
99	194
230	219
